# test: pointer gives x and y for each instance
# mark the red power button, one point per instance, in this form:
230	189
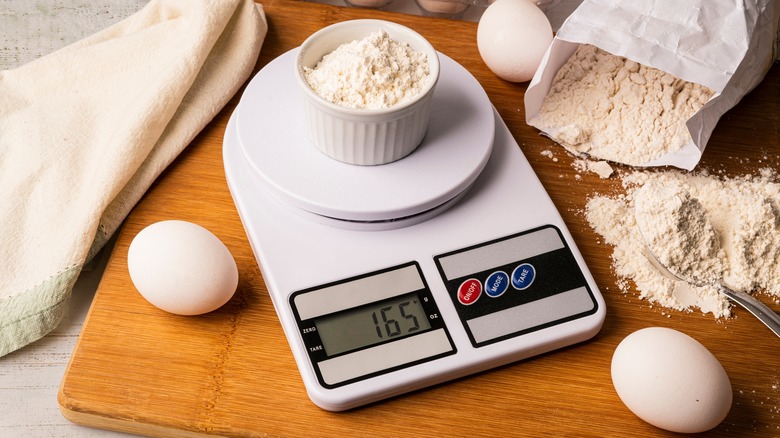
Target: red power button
469	291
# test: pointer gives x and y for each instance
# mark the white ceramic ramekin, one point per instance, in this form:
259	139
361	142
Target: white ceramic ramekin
364	136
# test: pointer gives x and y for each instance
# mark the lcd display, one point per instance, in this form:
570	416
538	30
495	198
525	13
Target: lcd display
389	319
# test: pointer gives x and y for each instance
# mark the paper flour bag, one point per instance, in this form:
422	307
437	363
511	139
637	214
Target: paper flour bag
644	83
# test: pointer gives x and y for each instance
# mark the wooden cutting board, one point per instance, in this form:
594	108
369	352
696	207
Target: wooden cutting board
231	372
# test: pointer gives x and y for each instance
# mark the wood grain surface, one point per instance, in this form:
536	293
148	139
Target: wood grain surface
231	372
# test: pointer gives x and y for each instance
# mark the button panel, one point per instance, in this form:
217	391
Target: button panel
547	285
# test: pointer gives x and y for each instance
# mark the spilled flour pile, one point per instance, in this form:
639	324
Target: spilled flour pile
698	225
676	229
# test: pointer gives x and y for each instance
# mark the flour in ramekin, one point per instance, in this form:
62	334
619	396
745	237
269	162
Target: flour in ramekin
743	211
373	73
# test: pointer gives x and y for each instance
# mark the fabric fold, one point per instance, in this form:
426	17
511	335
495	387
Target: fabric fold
85	130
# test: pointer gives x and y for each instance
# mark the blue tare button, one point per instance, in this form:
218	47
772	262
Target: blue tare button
496	284
523	276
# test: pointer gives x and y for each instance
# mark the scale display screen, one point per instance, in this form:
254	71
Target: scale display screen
391	319
370	324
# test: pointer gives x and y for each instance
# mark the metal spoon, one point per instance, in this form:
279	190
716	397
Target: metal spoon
752	305
747	301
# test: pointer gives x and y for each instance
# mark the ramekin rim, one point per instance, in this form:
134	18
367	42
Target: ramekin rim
434	68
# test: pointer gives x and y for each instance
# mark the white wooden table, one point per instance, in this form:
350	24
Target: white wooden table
30	377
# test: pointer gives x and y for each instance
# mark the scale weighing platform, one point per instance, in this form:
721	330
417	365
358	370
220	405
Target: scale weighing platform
391	278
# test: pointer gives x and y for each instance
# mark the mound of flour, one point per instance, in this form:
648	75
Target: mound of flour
677	231
373	73
743	214
614	109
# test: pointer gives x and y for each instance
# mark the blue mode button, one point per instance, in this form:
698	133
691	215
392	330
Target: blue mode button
496	284
523	276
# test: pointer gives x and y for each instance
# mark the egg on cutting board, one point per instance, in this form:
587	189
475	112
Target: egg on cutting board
671	381
182	268
512	38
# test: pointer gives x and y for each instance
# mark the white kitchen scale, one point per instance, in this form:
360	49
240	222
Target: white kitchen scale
392	278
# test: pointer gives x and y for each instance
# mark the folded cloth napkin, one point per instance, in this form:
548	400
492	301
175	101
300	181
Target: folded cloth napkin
84	131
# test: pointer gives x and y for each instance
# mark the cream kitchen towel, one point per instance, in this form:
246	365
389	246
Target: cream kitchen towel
85	130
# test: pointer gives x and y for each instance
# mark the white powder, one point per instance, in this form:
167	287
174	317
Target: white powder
600	168
615	109
548	153
677	231
743	212
373	73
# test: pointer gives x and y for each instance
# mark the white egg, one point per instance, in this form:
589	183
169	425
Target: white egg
671	381
444	7
512	38
182	268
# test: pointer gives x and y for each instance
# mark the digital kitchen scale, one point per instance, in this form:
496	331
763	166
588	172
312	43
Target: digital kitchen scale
391	278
